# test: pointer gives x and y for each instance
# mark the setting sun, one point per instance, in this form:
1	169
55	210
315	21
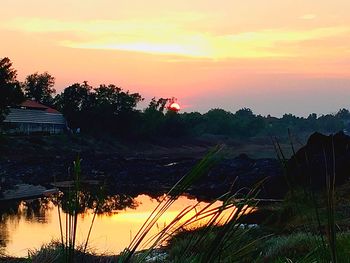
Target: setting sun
174	106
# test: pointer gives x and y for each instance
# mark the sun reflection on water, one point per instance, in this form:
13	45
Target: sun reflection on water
111	233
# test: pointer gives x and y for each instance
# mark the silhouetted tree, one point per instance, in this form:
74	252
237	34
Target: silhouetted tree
10	89
157	105
106	108
153	117
343	114
40	87
74	102
173	125
195	123
116	109
312	116
329	123
219	121
115	100
247	124
244	113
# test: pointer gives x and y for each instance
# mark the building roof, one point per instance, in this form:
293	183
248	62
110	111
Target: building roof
34	112
32	104
34	116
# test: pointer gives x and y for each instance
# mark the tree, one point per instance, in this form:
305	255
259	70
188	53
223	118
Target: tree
40	87
219	122
10	89
157	105
73	102
103	109
153	117
174	125
244	113
329	123
116	109
343	114
195	123
7	73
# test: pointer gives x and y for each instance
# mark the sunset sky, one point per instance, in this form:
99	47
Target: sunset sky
272	56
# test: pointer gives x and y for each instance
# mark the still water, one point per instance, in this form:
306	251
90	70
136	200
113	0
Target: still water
29	226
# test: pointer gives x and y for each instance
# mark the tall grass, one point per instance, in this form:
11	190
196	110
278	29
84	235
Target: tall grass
327	251
73	204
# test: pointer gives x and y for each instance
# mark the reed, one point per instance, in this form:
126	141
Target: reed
72	204
326	249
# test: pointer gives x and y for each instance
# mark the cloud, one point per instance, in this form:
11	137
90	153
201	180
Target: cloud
167	36
308	17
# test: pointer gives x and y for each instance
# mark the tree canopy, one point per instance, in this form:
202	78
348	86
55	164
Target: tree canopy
111	109
40	87
10	89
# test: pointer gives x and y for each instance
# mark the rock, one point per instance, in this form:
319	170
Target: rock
156	176
322	156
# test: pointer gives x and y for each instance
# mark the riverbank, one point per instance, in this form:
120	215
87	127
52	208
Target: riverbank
133	168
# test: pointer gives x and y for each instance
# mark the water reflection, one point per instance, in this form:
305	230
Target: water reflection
18	217
11	213
30	224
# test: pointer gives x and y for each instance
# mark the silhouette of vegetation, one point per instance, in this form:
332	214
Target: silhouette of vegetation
40	87
10	90
111	110
106	108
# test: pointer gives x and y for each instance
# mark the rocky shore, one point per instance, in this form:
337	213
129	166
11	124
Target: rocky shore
146	175
42	164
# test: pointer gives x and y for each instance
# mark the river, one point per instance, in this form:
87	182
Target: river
27	226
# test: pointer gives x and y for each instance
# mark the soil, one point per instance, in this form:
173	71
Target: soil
134	167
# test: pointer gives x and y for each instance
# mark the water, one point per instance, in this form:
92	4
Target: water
28	226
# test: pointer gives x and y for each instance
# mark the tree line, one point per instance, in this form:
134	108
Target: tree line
110	109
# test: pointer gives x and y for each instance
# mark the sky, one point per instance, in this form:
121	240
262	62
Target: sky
273	56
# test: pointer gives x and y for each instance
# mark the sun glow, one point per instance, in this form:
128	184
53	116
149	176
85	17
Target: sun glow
174	106
235	54
161	36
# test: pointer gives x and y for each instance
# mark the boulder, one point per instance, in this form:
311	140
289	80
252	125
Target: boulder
323	157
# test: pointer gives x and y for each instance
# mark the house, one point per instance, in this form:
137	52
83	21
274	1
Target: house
34	117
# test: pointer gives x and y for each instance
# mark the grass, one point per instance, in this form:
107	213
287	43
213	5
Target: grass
53	252
240	247
312	212
71	218
304	247
295	247
73	204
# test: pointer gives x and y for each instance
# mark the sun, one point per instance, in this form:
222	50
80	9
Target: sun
174	107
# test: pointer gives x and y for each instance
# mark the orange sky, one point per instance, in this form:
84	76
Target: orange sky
272	56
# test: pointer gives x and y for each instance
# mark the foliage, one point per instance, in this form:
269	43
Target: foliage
53	252
10	89
106	108
75	103
317	211
303	247
111	110
40	87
